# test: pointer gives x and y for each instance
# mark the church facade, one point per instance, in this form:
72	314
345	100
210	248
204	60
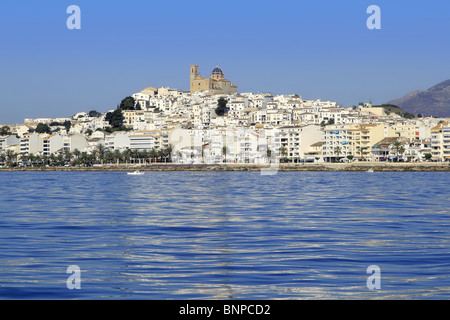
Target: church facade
216	82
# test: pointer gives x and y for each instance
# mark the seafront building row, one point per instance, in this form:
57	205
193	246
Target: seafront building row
255	128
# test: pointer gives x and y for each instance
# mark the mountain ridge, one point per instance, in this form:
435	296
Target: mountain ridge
434	101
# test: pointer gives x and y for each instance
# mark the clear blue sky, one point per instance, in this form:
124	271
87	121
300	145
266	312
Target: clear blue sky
318	49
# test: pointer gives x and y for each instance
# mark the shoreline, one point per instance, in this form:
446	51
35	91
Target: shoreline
375	166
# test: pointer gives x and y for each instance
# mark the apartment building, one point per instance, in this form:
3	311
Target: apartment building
75	141
147	140
52	144
8	141
336	143
440	142
294	142
363	136
30	143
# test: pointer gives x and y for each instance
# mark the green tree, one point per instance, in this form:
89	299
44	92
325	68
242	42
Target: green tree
94	114
108	156
428	156
31	159
5	131
127	155
60	159
224	152
43	128
67	156
67	124
127	103
11	158
401	150
76	153
169	150
115	118
337	151
221	106
153	154
38	159
2	158
101	151
117	156
283	151
397	146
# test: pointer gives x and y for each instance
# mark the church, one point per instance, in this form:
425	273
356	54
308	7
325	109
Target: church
216	82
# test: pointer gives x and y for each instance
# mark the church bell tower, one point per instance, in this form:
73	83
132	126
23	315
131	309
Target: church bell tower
194	74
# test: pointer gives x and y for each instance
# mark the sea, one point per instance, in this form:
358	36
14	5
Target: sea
196	235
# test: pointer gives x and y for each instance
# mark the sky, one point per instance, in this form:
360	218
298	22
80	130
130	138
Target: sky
316	49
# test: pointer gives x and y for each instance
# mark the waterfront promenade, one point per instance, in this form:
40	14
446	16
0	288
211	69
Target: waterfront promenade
356	166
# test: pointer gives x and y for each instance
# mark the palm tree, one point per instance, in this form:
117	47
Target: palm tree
52	158
60	159
117	156
337	151
44	158
108	156
127	155
398	147
401	150
2	157
38	159
153	153
134	155
24	158
67	156
283	151
169	151
76	153
224	152
160	154
11	156
31	158
94	154
145	154
84	158
100	149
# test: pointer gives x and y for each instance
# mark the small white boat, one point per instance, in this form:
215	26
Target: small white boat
135	173
370	170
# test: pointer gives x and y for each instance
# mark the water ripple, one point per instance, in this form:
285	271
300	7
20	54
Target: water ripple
210	235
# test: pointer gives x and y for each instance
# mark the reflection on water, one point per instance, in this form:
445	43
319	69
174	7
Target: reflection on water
222	235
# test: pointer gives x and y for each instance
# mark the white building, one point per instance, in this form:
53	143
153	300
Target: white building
52	144
8	141
440	142
75	141
336	142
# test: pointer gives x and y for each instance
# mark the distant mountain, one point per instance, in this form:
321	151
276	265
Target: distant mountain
432	102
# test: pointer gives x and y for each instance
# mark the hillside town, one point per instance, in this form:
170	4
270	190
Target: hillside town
213	123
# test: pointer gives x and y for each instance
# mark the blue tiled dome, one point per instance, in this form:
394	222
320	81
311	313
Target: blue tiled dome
217	70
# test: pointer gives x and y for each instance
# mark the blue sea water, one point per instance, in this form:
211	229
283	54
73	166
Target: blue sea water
224	235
